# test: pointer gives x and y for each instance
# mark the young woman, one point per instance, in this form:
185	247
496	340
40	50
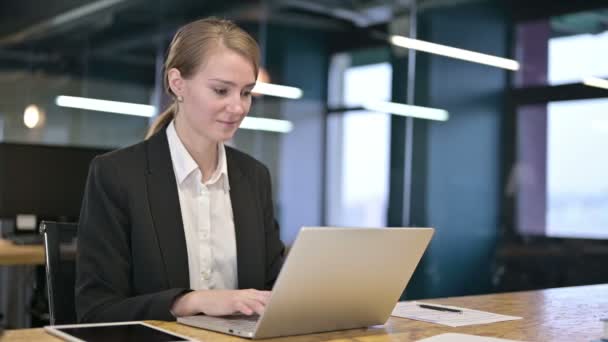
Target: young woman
181	224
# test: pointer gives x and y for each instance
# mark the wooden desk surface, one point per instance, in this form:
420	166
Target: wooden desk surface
562	314
11	254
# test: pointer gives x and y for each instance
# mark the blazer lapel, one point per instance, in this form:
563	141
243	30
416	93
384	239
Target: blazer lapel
248	226
166	211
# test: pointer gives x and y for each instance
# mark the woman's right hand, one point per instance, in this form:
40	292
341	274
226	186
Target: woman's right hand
221	302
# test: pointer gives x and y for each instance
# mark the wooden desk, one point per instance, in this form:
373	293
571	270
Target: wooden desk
11	254
563	314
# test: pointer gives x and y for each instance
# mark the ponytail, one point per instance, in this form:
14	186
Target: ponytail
162	120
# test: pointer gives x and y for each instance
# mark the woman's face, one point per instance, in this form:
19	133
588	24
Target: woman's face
218	96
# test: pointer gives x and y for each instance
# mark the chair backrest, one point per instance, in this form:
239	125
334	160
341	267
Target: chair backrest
60	247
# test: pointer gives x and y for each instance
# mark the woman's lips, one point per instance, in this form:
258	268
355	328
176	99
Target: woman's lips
228	122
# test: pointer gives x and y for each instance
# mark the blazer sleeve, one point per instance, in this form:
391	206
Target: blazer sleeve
275	249
103	288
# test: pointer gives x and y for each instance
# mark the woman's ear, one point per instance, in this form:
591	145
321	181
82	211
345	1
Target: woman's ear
176	82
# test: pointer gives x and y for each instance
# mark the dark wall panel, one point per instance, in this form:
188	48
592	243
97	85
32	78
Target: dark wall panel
459	181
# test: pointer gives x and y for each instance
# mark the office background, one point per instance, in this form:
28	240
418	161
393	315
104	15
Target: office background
514	181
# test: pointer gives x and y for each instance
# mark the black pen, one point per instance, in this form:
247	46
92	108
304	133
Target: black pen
438	308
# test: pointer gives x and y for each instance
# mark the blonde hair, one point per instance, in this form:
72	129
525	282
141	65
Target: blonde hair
189	48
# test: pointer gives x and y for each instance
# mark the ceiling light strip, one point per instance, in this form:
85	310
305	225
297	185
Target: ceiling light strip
253	123
277	90
106	106
407	110
453	52
596	82
265	124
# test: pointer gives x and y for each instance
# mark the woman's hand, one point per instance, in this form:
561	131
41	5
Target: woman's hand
221	302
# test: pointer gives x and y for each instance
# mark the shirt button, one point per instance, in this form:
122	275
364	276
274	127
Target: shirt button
205	235
206	275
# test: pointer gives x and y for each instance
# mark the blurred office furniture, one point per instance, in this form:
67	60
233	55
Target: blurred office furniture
19	233
11	254
17	273
540	263
37	182
561	314
60	248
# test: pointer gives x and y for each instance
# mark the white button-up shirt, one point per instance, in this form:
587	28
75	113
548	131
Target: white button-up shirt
207	216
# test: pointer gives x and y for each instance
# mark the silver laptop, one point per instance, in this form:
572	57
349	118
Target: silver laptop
333	279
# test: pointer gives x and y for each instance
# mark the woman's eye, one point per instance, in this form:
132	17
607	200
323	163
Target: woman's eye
247	93
221	91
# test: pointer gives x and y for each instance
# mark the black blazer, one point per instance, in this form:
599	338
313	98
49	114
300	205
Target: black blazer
132	260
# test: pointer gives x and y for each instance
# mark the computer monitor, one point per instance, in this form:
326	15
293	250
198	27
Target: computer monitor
45	181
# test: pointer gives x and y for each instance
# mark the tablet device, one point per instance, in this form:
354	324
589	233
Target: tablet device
117	332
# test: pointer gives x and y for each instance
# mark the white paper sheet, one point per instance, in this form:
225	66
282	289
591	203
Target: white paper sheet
453	337
411	310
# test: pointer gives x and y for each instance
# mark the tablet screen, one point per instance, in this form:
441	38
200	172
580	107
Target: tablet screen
119	333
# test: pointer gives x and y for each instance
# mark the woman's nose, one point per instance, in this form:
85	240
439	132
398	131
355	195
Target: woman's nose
237	106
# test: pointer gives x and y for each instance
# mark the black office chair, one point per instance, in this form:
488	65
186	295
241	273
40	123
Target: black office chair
60	247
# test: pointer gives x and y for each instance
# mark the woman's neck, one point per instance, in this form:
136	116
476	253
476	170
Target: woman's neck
203	151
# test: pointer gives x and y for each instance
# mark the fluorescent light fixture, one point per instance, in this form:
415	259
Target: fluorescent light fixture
106	106
265	124
407	110
449	51
596	82
277	90
262	124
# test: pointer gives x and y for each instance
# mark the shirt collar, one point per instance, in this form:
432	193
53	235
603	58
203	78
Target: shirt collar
221	171
184	165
